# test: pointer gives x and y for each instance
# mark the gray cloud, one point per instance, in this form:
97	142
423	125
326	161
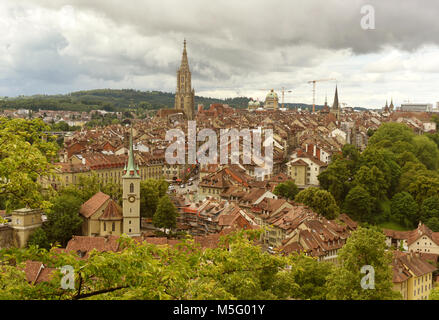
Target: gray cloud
64	45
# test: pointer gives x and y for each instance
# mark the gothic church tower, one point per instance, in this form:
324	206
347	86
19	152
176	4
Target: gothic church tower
335	109
131	195
184	95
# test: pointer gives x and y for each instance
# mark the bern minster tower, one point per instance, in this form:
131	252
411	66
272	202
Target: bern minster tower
184	95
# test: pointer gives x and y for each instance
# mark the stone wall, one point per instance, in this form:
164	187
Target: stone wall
6	237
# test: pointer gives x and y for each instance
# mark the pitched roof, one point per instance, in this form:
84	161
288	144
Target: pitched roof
411	262
112	212
86	244
93	204
37	272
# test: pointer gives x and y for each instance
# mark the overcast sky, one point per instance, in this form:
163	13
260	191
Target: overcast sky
234	47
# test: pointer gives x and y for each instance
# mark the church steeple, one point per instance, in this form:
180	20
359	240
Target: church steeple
335	105
131	169
391	107
335	109
131	194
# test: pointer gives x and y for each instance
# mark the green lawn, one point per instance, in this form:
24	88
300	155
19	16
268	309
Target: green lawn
393	226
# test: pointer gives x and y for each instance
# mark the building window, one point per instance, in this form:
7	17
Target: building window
113	227
105	226
131	187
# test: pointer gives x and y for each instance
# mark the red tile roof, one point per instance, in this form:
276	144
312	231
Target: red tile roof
112	212
93	204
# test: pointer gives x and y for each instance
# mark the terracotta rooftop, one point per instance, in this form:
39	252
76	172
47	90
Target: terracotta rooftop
93	204
112	212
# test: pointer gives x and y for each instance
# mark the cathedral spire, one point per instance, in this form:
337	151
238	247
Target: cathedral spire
184	61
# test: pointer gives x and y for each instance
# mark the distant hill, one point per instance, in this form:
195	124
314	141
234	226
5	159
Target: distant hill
117	100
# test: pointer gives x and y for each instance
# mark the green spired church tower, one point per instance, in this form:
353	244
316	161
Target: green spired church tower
184	95
131	194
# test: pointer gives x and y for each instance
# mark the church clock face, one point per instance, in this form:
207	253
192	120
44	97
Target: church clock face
131	198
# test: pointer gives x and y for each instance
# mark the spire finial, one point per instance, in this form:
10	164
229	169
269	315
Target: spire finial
184	61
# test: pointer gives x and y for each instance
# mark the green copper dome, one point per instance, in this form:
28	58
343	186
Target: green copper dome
271	95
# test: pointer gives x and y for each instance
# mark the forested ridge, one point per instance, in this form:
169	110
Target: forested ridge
116	100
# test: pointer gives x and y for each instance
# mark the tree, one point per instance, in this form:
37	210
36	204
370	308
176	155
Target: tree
365	247
358	204
426	151
321	201
404	209
310	276
39	238
336	179
166	214
63	219
433	224
287	190
235	269
392	132
410	172
350	152
430	208
151	191
423	187
23	161
434	294
89	185
372	180
385	161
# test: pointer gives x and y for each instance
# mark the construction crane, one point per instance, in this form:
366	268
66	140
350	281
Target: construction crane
314	91
283	90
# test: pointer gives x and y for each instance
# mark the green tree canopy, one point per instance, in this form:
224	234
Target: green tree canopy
404	209
166	214
151	190
365	247
426	151
321	201
39	238
336	179
433	224
430	208
236	269
359	204
393	132
372	180
63	220
23	161
287	190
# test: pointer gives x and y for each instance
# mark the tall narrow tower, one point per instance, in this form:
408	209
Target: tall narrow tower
335	109
131	194
184	95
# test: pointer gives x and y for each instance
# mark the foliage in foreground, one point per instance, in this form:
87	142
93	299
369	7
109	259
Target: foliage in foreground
236	269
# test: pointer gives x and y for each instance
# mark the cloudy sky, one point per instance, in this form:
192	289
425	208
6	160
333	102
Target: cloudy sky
235	48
